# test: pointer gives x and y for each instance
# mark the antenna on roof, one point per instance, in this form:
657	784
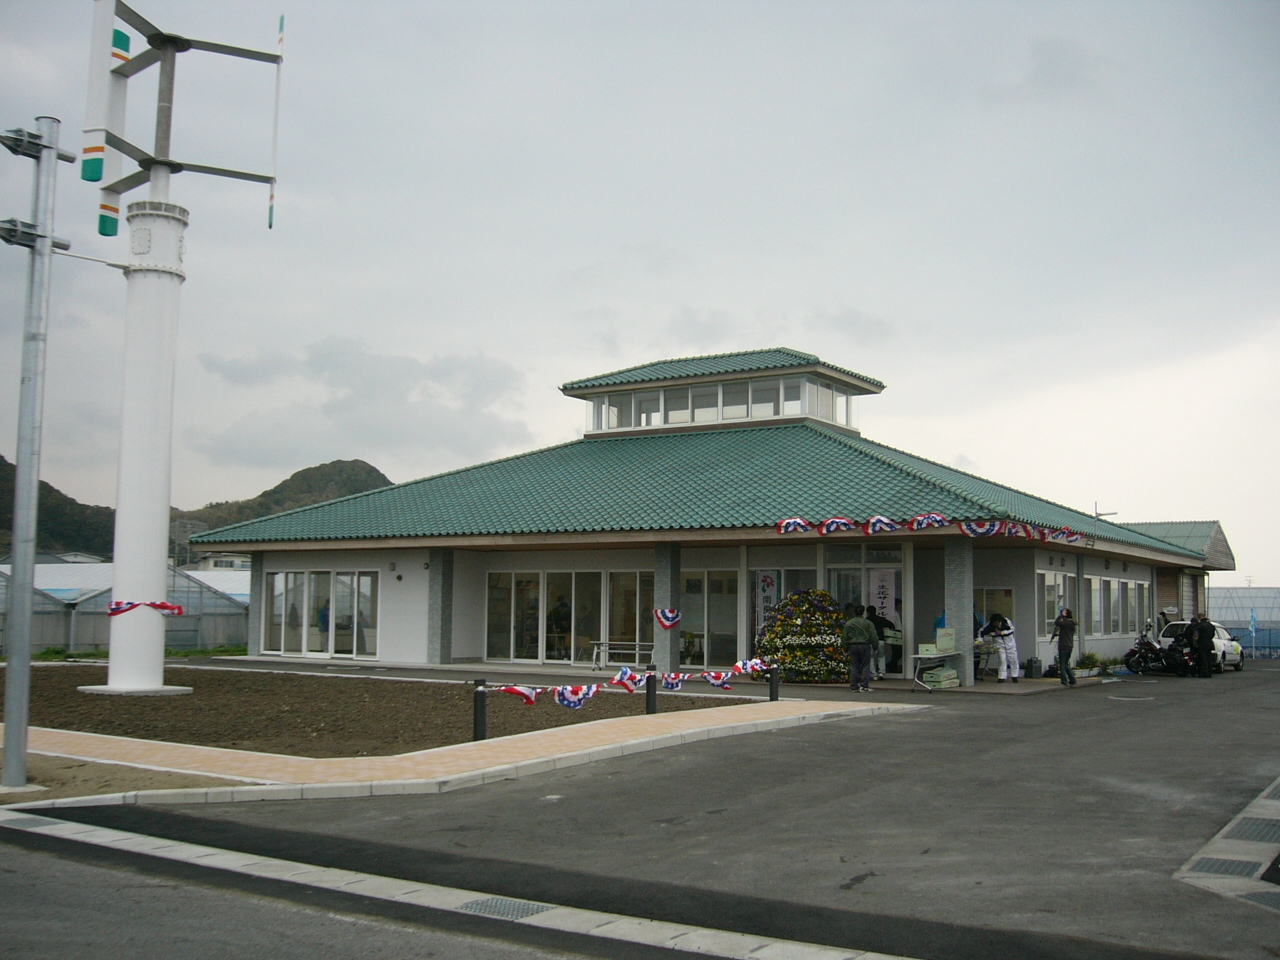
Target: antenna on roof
155	275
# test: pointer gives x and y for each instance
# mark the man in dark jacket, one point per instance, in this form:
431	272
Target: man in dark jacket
1202	632
1064	629
881	624
859	640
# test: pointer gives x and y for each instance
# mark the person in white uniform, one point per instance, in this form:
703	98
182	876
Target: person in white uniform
1000	629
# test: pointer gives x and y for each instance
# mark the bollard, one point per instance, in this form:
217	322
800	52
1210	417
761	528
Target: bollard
651	690
480	714
775	680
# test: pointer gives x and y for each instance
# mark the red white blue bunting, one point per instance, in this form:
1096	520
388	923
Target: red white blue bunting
793	525
667	618
981	528
717	679
629	680
1026	531
674	681
836	525
925	521
754	665
880	524
574	697
528	694
1063	536
117	607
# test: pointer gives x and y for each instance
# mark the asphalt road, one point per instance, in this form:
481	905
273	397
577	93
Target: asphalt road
984	827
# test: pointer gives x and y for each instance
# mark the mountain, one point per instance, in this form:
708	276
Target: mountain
328	481
64	525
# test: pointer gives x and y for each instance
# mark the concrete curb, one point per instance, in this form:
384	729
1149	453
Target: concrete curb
1231	864
456	781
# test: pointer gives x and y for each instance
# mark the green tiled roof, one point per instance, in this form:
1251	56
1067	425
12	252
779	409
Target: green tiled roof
712	479
715	365
1204	537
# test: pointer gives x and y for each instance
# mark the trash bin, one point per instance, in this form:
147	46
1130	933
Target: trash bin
1035	669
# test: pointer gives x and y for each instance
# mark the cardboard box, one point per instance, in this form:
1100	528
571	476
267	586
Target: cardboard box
945	639
928	650
943	684
939	673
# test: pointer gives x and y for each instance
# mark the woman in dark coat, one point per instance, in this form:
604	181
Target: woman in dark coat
1064	629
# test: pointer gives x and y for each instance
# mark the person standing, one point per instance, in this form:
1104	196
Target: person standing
881	624
1064	629
1000	629
1203	646
859	639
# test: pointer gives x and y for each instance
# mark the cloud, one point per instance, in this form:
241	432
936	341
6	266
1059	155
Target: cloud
1059	68
456	408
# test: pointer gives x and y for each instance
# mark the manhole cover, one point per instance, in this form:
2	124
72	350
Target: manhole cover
503	908
1261	829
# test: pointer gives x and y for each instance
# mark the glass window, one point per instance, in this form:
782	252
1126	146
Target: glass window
693	651
722	617
597	413
498	642
1113	606
841	406
1095	606
275	622
619	411
706	403
1134	624
293	605
796	580
586	614
318	613
735	400
811	397
344	613
1140	601
1124	619
622	618
648	408
675	405
884	553
559	626
367	615
844	553
524	617
764	399
792	398
825	401
845	586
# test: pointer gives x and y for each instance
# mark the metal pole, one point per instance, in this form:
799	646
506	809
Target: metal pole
26	480
651	690
479	713
775	681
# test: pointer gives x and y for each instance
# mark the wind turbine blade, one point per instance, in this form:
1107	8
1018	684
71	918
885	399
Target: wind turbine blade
139	63
125	184
229	51
275	127
136	20
137	154
224	172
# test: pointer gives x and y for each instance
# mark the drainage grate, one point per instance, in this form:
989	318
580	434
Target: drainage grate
503	908
28	823
1261	829
1226	868
1275	793
1266	899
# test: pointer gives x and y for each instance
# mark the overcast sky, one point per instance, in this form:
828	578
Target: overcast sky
1051	229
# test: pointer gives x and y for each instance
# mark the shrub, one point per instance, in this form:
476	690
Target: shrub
1088	661
802	636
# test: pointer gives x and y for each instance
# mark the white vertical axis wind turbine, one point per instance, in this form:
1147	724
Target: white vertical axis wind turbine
154	275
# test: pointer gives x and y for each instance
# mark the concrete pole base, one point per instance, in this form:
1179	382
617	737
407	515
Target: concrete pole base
165	691
29	788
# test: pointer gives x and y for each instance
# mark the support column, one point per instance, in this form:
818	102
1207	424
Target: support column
666	595
253	641
958	593
440	605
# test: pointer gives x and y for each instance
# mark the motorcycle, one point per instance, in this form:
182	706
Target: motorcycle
1146	654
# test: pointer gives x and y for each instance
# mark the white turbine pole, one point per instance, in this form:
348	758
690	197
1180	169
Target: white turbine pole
141	558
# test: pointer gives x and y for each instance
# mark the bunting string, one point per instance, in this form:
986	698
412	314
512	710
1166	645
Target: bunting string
922	521
633	681
117	607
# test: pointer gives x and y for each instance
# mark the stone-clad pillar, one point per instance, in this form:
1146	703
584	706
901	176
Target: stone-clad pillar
958	591
666	595
440	605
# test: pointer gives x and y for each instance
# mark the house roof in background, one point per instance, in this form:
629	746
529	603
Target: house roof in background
747	477
1204	537
717	365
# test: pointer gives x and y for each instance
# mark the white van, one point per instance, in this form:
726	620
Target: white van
1227	650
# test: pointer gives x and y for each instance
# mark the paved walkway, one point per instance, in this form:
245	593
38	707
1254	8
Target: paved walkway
442	768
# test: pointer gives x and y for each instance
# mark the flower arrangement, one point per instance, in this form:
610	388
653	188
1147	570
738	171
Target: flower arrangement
802	636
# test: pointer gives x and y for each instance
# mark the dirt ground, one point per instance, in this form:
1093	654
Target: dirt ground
63	777
310	715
